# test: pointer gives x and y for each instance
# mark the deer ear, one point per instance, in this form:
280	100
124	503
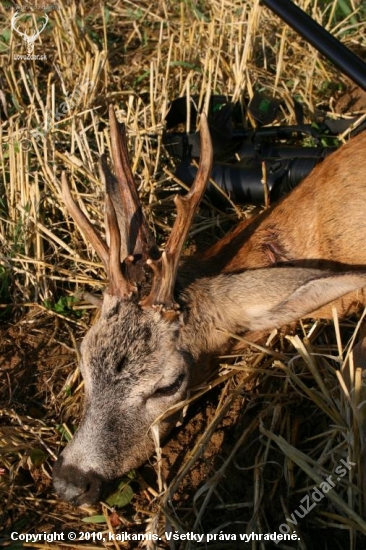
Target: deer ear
282	295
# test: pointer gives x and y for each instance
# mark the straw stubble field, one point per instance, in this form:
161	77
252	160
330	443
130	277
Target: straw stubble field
272	425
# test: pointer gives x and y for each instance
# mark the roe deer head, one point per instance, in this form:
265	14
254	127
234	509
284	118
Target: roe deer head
148	348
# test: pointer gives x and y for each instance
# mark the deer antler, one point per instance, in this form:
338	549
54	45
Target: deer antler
165	268
118	284
125	221
128	229
136	233
83	223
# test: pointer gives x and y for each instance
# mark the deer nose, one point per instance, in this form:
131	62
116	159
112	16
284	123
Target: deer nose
75	485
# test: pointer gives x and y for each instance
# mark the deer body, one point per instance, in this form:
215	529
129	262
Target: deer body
144	353
316	226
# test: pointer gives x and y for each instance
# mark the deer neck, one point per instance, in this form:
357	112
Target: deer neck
211	314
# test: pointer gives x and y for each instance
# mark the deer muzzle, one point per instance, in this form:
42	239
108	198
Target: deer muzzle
76	486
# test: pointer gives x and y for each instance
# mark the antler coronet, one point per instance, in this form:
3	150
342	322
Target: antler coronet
161	294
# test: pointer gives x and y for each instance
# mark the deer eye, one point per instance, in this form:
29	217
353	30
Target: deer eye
172	388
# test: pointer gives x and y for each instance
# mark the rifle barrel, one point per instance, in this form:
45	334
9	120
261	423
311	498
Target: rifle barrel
348	62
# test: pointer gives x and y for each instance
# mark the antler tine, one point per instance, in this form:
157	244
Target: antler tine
84	224
165	269
110	184
118	285
138	238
